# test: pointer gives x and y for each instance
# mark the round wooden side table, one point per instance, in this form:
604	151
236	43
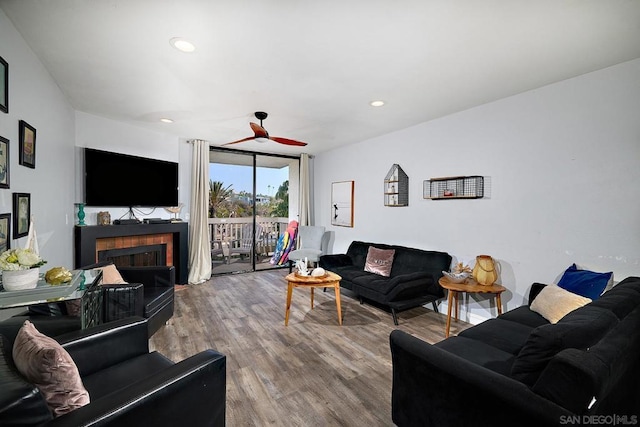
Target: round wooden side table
330	280
468	286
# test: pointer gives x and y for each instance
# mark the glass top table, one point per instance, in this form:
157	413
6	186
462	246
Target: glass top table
83	287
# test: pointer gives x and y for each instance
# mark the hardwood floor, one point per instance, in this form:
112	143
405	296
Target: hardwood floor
310	373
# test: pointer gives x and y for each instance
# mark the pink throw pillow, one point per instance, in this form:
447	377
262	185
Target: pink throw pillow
379	261
43	362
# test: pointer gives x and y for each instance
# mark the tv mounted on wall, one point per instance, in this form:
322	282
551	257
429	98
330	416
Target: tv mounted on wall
121	180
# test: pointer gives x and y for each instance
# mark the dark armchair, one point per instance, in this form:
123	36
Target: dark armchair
127	384
157	293
154	300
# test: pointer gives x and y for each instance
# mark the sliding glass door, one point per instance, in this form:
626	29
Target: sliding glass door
252	198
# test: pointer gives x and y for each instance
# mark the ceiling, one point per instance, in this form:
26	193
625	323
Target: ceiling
314	66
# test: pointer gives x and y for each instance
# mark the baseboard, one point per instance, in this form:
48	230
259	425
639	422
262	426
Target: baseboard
464	314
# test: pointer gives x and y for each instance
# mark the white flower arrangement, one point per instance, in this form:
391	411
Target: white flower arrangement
20	259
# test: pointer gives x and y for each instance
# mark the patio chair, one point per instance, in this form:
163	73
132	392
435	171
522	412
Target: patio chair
244	246
314	241
220	247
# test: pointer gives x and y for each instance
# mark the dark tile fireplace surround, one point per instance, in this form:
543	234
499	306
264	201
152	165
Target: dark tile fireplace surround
139	244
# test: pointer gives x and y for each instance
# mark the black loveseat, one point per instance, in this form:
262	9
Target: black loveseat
519	369
413	280
127	384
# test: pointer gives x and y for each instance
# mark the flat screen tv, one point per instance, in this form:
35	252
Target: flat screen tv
121	180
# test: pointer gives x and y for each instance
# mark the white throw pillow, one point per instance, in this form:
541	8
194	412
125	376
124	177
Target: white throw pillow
553	303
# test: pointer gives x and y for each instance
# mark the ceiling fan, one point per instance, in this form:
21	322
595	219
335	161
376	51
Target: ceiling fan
261	134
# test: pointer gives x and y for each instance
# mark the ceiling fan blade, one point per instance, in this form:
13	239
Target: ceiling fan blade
259	130
240	140
287	141
261	134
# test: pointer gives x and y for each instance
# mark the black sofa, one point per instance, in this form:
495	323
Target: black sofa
127	384
586	368
413	280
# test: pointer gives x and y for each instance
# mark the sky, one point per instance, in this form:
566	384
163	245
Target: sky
267	179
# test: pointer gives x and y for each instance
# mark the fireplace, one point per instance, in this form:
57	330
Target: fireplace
141	250
137	256
92	239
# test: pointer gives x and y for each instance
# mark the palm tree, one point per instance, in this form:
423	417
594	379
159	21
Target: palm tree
218	195
282	200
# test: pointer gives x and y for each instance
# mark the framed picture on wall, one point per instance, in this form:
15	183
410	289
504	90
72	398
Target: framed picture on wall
342	203
21	214
4	86
4	162
5	232
27	148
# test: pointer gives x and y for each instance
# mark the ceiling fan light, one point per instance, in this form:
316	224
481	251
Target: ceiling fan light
262	140
378	103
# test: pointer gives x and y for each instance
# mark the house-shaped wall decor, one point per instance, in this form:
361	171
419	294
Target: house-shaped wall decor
396	187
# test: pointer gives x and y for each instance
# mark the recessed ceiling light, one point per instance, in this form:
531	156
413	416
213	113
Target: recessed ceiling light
376	103
182	45
166	120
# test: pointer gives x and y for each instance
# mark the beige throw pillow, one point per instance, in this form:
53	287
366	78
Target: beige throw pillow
43	362
111	275
553	303
379	261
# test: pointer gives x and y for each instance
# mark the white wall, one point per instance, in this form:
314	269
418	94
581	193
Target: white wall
102	133
562	169
35	98
110	135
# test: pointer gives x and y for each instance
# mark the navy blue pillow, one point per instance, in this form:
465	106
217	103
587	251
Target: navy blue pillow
584	282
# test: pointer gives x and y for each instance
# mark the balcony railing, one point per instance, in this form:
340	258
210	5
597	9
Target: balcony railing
230	236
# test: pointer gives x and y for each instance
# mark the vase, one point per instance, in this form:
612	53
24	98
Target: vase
17	280
485	271
81	214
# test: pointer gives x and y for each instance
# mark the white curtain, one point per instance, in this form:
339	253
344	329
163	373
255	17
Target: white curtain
305	189
199	244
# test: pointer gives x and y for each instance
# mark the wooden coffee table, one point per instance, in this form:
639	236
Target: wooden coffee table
330	280
469	286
